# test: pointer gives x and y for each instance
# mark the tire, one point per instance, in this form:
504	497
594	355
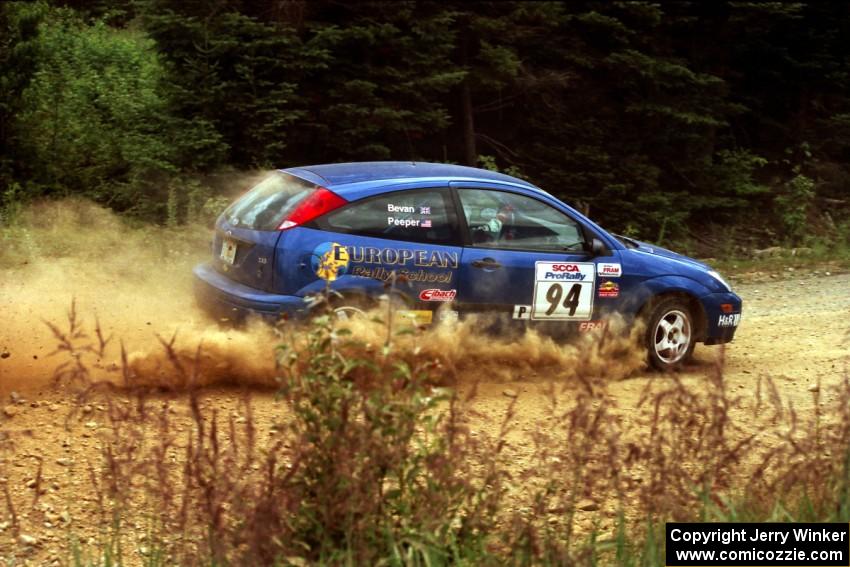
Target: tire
670	336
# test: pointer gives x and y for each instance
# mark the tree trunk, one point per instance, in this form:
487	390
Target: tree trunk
469	150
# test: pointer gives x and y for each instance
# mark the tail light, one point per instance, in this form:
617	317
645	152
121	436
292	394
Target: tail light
318	203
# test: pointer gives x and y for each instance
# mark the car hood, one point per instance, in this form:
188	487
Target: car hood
664	253
652	261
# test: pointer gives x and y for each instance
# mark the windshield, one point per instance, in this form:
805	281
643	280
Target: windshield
266	205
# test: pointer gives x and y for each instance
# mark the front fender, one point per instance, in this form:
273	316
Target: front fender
645	290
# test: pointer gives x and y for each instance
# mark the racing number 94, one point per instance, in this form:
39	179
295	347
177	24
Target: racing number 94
563	290
556	292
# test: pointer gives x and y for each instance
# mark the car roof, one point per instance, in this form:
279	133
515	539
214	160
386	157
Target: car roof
337	175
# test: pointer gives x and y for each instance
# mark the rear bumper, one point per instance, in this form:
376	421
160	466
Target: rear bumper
225	299
720	323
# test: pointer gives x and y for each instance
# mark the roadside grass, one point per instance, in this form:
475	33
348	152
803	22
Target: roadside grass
372	464
834	260
79	230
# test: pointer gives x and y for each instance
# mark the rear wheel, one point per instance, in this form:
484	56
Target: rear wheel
670	334
348	312
351	306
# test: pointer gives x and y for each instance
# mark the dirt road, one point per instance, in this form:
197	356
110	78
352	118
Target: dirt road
795	330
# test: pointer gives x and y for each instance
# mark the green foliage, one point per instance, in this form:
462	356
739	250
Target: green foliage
94	114
171	209
652	115
232	80
489	163
386	70
19	23
380	474
793	206
734	172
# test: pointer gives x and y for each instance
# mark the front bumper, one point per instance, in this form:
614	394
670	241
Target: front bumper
227	300
720	323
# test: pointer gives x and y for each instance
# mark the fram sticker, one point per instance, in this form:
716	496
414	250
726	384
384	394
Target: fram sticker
609	270
522	311
609	289
586	326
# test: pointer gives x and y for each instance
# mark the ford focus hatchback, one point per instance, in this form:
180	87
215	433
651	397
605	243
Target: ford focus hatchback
445	234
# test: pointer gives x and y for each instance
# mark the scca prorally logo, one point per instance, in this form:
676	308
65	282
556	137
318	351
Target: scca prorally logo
329	260
565	268
438	294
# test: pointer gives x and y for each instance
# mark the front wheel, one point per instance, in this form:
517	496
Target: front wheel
670	334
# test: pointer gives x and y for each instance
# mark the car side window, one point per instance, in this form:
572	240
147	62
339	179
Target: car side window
499	219
421	215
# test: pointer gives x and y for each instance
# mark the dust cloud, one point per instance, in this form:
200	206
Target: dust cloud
135	282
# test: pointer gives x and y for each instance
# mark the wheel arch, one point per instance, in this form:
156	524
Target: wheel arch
695	306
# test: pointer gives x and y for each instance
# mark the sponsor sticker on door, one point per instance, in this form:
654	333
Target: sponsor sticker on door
438	294
609	289
609	270
563	291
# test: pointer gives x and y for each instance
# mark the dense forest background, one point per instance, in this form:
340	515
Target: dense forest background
681	120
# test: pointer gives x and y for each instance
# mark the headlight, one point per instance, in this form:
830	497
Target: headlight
719	278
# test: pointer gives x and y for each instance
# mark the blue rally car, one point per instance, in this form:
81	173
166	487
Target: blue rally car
479	240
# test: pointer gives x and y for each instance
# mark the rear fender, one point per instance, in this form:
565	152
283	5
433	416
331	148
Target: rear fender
346	285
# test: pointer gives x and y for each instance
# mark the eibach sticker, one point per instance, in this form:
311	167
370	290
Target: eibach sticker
438	294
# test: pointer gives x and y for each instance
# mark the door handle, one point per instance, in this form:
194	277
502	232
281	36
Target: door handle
486	264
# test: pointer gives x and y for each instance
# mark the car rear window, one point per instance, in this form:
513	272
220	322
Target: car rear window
268	203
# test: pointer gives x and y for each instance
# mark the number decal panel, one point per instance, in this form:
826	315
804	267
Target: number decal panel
563	291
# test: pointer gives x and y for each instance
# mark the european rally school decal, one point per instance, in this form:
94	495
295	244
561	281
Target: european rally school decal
563	291
331	260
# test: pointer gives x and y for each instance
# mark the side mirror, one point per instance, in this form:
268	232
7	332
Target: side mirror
598	248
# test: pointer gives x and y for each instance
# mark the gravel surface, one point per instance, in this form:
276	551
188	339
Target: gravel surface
795	330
